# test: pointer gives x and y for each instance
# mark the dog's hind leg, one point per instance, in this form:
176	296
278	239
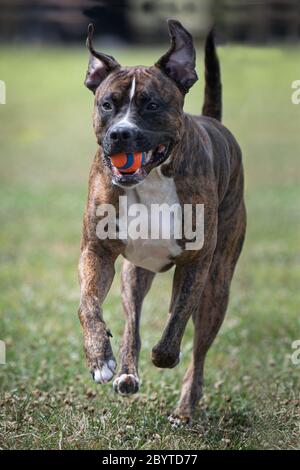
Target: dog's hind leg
135	283
209	317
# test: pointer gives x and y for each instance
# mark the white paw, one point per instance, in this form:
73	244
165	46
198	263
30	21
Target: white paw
126	384
175	422
106	373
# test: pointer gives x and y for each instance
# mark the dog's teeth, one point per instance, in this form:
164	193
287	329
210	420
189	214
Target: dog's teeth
115	171
148	155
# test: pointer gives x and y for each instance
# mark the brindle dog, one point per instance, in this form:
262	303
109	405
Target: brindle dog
190	160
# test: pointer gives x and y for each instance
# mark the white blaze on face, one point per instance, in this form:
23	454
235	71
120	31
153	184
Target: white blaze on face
125	120
132	90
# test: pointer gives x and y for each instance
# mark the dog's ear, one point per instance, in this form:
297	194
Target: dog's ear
100	65
180	60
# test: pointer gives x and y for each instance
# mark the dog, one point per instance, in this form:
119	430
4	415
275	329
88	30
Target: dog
190	160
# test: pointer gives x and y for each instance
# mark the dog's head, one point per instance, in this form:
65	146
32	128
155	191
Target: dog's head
140	109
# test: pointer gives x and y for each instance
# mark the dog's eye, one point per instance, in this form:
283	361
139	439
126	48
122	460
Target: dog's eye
107	106
152	106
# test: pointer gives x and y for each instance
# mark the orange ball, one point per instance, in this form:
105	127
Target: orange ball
128	162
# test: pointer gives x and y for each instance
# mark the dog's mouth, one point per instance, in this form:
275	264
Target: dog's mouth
152	158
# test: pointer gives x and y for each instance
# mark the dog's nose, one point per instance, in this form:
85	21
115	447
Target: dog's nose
122	134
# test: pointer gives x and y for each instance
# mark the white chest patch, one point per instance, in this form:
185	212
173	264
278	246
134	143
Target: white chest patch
156	250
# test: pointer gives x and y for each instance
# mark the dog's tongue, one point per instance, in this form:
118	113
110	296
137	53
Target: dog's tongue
128	162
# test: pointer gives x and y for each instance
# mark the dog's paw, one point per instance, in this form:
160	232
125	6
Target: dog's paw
104	373
126	384
165	359
180	417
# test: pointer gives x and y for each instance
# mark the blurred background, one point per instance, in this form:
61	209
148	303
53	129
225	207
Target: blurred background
141	21
46	148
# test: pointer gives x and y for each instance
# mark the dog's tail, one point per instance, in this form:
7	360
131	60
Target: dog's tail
212	106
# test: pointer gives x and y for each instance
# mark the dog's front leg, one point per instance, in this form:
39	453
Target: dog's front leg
96	273
189	281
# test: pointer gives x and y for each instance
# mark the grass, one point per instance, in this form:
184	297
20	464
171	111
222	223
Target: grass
47	144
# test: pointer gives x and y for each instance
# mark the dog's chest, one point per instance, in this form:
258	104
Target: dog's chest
155	245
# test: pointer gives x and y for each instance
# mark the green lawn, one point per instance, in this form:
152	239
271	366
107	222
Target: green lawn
47	144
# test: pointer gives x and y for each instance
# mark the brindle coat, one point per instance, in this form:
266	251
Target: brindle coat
205	165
